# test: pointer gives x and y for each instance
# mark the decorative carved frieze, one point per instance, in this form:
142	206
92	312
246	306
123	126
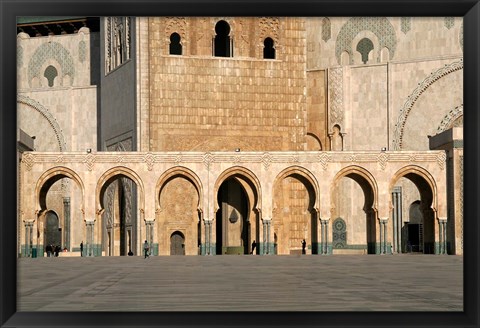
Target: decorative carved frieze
176	25
335	91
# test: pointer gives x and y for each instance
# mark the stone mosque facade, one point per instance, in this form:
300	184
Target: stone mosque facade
203	135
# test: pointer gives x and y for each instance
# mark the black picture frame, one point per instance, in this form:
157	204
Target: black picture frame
10	9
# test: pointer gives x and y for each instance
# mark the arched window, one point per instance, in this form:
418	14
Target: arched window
223	46
268	49
50	73
364	47
175	45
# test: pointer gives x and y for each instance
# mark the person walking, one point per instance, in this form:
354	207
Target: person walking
146	248
81	248
304	245
254	244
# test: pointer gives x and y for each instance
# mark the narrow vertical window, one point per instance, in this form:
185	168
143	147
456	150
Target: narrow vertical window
222	42
175	45
268	49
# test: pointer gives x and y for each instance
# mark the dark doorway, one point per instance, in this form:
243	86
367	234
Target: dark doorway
414	242
53	235
232	219
177	243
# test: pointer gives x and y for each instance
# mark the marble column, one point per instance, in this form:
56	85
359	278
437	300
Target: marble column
66	225
149	234
28	238
442	231
208	237
383	235
266	237
89	249
324	236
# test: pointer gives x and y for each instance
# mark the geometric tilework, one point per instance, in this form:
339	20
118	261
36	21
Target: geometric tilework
461	35
55	51
19	56
326	29
339	228
82	51
449	22
380	26
406	24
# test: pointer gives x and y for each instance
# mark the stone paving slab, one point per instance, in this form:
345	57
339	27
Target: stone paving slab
242	283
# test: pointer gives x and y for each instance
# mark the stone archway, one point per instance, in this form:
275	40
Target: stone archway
295	211
116	230
237	211
354	195
68	205
414	185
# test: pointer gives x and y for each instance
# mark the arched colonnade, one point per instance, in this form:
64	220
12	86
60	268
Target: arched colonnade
219	203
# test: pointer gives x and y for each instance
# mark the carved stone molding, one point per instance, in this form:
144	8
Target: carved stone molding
176	25
411	100
450	118
48	116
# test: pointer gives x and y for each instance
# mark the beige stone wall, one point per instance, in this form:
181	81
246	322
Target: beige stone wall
426	37
317	133
201	102
62	117
366	117
422	95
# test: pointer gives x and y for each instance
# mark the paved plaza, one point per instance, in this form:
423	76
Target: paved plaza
242	283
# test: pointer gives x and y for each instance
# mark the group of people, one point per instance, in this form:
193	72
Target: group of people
53	251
